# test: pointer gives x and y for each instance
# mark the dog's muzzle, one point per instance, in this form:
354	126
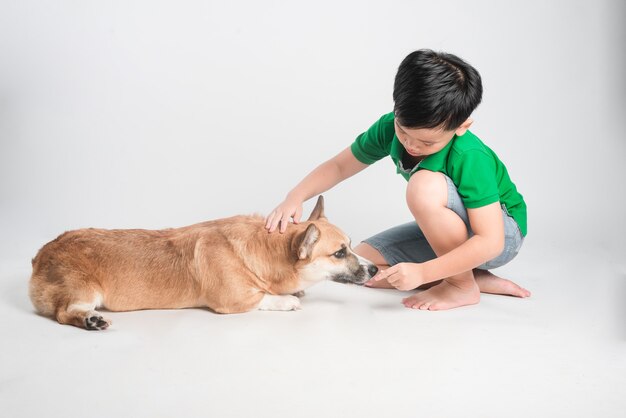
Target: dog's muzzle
363	275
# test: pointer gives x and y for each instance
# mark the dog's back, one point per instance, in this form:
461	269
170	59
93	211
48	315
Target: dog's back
134	268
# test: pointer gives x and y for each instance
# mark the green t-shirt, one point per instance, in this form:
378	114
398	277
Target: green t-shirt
477	172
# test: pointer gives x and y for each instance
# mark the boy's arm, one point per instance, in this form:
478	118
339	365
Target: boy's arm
327	175
486	244
322	178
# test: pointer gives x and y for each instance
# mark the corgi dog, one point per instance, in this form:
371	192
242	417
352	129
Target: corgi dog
228	265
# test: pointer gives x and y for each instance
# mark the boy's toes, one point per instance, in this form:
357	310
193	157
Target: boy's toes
414	302
409	302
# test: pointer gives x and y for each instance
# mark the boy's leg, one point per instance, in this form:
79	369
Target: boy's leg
427	198
406	243
487	281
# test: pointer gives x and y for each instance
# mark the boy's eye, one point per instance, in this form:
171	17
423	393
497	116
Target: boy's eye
340	254
427	144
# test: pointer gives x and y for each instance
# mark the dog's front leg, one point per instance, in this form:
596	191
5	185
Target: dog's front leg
279	303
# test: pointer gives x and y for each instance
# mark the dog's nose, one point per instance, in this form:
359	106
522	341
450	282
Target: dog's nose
372	270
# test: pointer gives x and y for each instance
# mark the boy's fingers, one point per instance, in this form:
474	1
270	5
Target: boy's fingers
271	217
296	216
385	274
270	224
274	223
277	222
283	223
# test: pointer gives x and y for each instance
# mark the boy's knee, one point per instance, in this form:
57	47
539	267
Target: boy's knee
426	190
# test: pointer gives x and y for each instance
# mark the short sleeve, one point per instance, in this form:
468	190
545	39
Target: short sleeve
375	143
474	175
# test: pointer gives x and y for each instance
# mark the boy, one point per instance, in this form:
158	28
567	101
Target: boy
469	217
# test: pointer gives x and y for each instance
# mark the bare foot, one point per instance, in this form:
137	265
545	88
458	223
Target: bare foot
490	283
445	295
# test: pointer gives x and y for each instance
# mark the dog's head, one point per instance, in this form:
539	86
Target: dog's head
324	252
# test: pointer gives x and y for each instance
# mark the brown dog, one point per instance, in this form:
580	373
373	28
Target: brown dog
228	265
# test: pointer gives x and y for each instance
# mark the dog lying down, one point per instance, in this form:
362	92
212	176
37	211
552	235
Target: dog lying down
228	265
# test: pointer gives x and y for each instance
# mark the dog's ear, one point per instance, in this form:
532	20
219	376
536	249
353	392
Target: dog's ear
318	210
307	242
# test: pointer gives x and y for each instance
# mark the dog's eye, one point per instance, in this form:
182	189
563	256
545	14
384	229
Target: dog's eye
340	254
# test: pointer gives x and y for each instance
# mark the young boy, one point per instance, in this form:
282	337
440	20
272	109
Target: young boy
469	217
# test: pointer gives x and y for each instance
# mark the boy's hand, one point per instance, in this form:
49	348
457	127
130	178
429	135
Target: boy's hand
403	276
281	215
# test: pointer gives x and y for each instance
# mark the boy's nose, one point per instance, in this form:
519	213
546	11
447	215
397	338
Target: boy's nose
372	270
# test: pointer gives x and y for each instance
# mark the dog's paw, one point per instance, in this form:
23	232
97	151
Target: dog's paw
279	303
96	322
291	303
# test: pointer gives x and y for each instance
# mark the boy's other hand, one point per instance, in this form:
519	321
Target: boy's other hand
282	214
402	276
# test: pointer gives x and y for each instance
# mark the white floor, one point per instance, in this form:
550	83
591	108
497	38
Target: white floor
351	352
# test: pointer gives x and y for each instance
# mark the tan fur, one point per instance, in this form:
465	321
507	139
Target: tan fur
227	265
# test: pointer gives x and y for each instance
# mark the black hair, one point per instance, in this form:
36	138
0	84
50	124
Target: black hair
435	89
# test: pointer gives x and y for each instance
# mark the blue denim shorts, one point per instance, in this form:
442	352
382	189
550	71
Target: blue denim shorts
406	242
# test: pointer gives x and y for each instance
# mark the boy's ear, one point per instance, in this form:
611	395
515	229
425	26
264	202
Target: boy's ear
307	241
318	210
460	131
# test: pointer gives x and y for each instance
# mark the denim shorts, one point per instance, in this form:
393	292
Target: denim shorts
406	242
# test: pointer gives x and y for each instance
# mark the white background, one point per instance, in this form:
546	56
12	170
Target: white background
159	114
154	114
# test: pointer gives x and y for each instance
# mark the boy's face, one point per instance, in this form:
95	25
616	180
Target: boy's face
422	142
